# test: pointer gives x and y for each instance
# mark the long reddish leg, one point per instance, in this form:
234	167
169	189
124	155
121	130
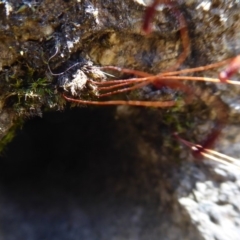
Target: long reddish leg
169	79
231	69
128	71
198	150
208	143
221	111
147	21
201	151
149	14
169	73
156	104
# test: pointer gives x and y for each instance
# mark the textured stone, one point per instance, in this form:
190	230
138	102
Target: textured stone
114	173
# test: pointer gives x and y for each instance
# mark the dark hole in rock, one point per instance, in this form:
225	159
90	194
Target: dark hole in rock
76	175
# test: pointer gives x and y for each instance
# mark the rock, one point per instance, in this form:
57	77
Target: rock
113	173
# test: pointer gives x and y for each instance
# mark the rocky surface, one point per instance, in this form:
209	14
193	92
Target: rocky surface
112	173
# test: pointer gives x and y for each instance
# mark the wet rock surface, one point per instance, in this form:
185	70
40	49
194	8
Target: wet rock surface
112	173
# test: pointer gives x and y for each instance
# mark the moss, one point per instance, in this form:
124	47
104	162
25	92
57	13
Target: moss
29	92
10	134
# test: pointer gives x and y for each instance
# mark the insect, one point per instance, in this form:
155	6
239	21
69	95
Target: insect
171	78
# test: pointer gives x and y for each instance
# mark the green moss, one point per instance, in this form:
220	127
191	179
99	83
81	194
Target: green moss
10	134
30	92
